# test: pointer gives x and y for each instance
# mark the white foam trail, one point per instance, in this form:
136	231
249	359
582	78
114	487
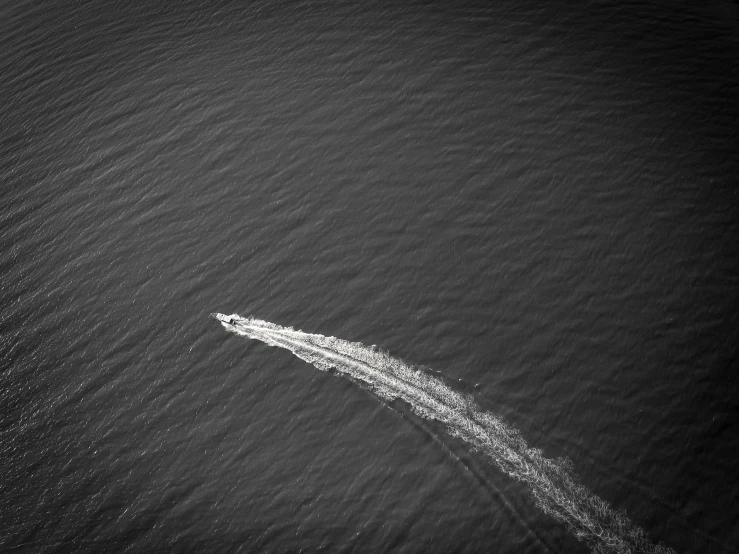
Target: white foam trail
551	482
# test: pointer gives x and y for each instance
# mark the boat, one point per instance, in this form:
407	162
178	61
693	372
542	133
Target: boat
225	319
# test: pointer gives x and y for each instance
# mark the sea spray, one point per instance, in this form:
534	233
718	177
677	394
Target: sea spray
552	483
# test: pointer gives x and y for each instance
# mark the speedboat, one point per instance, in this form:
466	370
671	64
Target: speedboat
225	319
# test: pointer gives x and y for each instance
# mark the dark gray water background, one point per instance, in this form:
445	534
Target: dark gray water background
536	200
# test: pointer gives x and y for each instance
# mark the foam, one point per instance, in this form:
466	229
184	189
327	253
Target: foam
551	482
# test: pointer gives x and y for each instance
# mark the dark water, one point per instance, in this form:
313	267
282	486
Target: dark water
535	200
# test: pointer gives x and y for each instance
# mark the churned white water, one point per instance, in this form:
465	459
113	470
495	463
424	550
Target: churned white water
551	482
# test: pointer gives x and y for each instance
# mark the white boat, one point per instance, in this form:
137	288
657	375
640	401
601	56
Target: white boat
226	320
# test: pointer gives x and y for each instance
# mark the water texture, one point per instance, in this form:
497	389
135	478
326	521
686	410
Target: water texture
537	199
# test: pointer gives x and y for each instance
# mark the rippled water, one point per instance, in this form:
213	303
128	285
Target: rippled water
537	202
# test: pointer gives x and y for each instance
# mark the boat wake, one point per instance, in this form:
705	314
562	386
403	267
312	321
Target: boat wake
551	481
